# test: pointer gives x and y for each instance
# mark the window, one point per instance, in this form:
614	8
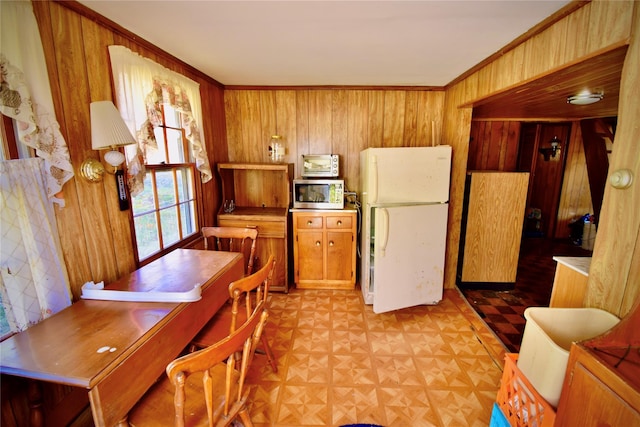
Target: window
165	212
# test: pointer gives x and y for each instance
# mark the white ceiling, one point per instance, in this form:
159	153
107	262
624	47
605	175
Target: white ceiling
304	43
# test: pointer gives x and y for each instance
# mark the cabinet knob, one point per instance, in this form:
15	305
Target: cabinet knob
318	243
331	243
309	222
339	222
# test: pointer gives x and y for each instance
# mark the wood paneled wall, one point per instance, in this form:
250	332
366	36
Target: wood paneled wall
337	121
575	199
95	235
494	146
614	279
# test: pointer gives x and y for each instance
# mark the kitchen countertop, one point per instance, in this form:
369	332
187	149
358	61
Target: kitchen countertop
579	264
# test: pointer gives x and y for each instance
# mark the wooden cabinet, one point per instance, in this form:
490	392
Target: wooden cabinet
261	194
324	249
595	395
602	385
570	282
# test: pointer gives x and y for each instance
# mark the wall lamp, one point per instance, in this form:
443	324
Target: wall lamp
108	130
551	151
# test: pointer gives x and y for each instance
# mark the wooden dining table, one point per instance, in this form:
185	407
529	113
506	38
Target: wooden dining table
115	349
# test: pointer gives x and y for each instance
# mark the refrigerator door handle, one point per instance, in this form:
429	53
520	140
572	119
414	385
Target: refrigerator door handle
373	176
384	239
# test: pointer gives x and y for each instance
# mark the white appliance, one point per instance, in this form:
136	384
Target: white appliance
405	195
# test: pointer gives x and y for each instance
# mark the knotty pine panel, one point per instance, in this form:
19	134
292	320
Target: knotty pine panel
376	119
575	199
320	121
268	121
494	145
411	119
95	38
67	218
614	276
393	120
456	129
93	228
286	124
357	140
302	129
338	121
429	117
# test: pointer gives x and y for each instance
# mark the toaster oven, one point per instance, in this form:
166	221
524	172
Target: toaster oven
320	165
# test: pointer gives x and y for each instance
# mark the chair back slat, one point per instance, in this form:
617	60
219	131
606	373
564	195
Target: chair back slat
246	337
250	290
233	239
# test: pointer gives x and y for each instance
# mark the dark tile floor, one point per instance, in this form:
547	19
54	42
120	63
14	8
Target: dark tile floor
503	311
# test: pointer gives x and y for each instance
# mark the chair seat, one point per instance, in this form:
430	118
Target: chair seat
156	412
218	326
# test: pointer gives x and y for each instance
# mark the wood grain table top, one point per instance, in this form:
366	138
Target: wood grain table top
80	344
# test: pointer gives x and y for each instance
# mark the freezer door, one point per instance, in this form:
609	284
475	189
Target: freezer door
407	174
409	253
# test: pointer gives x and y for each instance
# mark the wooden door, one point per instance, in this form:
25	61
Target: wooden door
310	255
339	255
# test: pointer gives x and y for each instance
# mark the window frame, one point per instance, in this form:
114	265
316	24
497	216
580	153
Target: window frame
197	194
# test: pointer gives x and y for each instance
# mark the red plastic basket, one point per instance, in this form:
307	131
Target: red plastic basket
519	401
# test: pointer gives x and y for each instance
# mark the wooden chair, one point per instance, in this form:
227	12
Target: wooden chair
223	397
245	293
233	239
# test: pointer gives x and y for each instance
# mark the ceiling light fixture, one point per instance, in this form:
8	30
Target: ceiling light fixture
584	98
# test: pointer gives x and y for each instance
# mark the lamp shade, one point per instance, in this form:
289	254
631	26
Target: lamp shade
107	127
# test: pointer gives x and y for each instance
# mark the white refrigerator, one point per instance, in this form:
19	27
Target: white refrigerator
405	204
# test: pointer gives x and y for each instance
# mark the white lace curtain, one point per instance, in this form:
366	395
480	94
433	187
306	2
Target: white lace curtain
34	282
141	85
33	279
25	94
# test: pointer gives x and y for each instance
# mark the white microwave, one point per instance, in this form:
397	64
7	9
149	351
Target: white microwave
318	193
320	165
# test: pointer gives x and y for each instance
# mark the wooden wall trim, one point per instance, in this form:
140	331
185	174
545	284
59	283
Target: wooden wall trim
537	29
484	97
338	87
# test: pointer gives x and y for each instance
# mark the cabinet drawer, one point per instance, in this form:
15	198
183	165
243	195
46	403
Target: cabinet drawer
339	222
306	222
274	229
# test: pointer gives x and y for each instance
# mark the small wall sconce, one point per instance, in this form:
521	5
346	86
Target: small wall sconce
551	151
108	130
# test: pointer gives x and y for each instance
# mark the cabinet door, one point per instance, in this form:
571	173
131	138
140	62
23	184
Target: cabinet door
591	403
310	251
339	254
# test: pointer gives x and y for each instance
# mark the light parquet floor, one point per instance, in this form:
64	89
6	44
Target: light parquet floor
339	363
